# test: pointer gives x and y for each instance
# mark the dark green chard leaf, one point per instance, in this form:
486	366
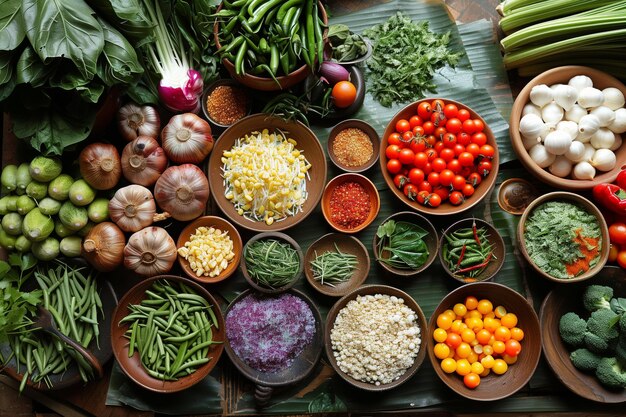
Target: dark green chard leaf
31	70
119	62
128	16
11	25
7	75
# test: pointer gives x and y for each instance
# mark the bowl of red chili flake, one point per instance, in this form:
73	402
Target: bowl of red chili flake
224	102
350	202
353	145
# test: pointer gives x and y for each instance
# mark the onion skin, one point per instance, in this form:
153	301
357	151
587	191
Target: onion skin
185	98
187	139
134	121
143	161
183	191
150	251
132	208
103	247
100	166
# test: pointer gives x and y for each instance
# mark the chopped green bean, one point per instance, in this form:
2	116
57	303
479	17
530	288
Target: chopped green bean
271	263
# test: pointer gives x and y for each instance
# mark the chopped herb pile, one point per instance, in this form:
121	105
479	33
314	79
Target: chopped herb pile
406	56
562	239
271	263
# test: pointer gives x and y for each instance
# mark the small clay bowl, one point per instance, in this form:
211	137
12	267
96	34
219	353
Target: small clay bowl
282	237
561	300
218	223
515	194
132	366
494	239
561	75
370	189
346	244
372	290
228	83
493	387
585	204
354	124
431	240
316	90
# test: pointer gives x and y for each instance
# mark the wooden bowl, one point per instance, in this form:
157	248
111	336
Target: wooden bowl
279	237
562	300
355	124
132	366
493	387
307	142
346	244
372	290
562	75
495	239
431	240
301	367
218	223
584	203
445	208
316	89
369	187
223	82
267	83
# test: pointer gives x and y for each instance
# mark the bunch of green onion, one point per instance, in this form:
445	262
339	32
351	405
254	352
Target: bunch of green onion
332	268
543	34
271	263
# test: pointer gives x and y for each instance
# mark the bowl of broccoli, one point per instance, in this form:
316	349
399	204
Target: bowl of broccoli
584	336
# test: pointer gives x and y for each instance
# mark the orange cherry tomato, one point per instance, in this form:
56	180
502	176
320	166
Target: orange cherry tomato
512	347
471	380
343	94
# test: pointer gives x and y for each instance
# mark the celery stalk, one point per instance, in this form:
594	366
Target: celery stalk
509	6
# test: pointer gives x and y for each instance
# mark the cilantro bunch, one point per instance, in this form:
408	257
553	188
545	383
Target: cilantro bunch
16	305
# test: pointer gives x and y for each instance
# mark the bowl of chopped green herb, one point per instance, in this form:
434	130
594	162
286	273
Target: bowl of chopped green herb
272	262
471	250
564	237
405	243
336	263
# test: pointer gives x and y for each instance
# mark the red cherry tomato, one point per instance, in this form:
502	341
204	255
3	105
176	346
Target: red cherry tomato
617	233
468	126
420	161
437	105
474	178
414	121
418	144
456	198
463	138
454	125
394	166
434	200
621	259
450	110
439	132
410	191
447	154
454	166
479	126
399	180
512	347
446	177
432	154
416	176
466	159
429	127
407	156
438	118
402	126
439	146
458	182
427	168
394	139
392	151
422	196
458	149
424	110
487	151
406	138
425	186
433	179
473	149
484	167
431	140
463	114
468	190
479	138
418	131
438	164
442	192
449	140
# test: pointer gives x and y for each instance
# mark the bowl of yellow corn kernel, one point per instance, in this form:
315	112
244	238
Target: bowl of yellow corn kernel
267	174
209	249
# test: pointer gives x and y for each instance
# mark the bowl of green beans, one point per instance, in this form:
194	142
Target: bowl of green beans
336	263
167	333
471	250
272	262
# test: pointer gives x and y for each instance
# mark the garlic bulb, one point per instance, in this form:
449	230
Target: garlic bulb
583	171
187	139
103	246
541	156
132	208
530	142
540	95
531	126
150	251
613	98
143	161
604	114
602	139
183	191
580	81
619	123
589	151
561	167
568	126
551	114
587	126
576	151
134	121
617	142
590	97
575	113
530	108
565	96
557	142
603	160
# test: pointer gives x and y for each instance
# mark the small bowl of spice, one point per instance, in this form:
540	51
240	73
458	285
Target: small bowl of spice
405	243
224	102
272	262
353	145
336	263
471	250
350	202
564	237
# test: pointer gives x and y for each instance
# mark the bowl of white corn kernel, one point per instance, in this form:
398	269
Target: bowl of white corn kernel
209	249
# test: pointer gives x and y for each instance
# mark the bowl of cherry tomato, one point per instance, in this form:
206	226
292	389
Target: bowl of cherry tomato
439	157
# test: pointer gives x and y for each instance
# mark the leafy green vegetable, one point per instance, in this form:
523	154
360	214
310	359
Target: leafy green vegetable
16	305
347	46
13	32
406	56
404	243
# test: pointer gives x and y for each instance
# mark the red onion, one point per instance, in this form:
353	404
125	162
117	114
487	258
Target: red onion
334	72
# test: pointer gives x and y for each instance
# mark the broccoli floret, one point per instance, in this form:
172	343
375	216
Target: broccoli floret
604	324
611	374
597	297
596	344
620	350
584	359
572	329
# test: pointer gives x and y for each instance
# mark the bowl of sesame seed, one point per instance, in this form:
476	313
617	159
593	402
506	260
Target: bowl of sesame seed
224	102
353	145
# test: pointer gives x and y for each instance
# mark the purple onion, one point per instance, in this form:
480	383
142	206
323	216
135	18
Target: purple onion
182	98
334	72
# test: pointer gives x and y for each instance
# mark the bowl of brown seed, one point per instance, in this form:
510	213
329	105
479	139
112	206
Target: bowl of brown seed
353	145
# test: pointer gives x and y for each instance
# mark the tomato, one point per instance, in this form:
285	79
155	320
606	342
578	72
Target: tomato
399	180
479	126
431	140
439	132
463	114
466	159
468	190
621	259
437	105
406	156
449	140
487	151
427	168
446	177
418	131
394	166
415	121
454	125
421	196
392	151
479	138
343	94
474	178
433	179
617	233
402	125
420	161
406	137
473	149
424	110
438	118
442	192
458	182
456	198
418	144
458	148
416	176
513	347
438	147
425	186
471	380
484	167
438	164
410	190
394	139
464	138
431	154
434	200
613	251
448	365
468	126
450	110
454	166
447	154
429	127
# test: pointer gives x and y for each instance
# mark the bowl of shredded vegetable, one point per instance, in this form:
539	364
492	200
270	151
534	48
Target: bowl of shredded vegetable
267	174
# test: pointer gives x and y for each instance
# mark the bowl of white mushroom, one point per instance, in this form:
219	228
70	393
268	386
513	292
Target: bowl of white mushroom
567	125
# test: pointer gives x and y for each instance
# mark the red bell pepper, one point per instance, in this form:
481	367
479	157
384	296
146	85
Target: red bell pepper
621	179
611	197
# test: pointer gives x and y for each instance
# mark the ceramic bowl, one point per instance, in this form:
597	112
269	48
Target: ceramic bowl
562	300
373	290
589	207
562	75
494	239
332	242
431	240
316	90
307	143
369	188
220	224
493	387
132	366
354	124
282	238
446	208
228	83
